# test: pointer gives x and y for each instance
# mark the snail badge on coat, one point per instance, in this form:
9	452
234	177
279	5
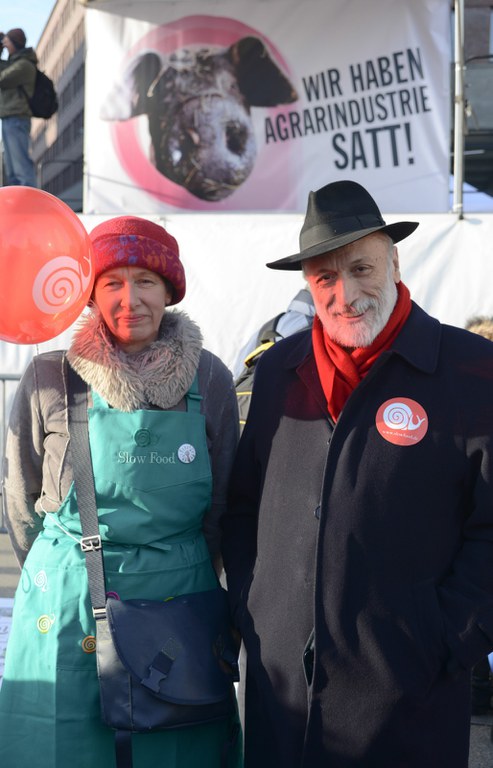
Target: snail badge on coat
400	416
402	421
198	105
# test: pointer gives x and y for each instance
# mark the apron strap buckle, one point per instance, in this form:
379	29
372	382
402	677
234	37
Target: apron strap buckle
90	543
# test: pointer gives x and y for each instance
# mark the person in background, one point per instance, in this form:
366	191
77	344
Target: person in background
358	541
297	317
482	325
17	78
481	680
163	429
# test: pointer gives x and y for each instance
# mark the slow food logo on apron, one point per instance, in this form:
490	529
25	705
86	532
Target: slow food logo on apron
402	421
144	438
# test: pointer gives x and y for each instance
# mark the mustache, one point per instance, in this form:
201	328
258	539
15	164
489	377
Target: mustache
354	309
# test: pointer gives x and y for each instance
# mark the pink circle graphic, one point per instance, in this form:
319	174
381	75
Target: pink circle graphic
402	421
272	182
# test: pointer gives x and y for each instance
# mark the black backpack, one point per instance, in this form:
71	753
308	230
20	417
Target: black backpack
44	101
244	383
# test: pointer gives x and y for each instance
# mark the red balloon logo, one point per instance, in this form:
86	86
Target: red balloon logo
46	265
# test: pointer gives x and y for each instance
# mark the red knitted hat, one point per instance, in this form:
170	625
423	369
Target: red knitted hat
129	241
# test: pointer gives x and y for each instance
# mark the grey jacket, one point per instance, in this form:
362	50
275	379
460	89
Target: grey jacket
18	70
38	471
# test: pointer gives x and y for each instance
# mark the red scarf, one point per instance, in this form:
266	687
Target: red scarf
340	371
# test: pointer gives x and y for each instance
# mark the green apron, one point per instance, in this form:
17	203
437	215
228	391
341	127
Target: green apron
153	486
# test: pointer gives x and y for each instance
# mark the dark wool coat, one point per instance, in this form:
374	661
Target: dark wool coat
385	549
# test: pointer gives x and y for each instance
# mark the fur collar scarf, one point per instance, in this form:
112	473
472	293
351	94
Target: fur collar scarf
159	375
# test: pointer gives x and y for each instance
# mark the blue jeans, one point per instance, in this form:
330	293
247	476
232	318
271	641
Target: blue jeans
16	136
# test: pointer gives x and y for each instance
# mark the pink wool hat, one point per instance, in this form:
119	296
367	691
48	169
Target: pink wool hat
129	241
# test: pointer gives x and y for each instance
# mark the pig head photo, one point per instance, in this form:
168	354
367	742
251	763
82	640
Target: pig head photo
198	104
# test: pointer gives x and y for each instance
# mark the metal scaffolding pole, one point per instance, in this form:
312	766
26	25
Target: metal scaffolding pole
459	110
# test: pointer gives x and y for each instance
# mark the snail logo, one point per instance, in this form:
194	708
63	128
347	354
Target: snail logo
41	581
142	437
89	644
45	623
402	421
59	284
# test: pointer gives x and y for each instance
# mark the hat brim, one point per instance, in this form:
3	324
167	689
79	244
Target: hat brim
397	231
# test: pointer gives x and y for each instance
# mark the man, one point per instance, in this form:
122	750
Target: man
481	680
297	317
17	78
358	545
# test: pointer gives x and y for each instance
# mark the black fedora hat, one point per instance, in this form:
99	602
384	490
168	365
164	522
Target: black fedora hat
339	214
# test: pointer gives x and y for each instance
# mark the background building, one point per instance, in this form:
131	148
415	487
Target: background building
58	142
478	89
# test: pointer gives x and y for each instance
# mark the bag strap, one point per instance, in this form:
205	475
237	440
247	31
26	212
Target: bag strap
123	749
84	488
266	337
21	87
91	545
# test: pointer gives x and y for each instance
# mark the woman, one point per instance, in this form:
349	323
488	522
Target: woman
150	383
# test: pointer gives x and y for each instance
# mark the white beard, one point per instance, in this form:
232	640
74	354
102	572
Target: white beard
365	331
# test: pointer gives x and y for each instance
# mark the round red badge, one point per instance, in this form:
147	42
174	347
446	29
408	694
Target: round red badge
402	421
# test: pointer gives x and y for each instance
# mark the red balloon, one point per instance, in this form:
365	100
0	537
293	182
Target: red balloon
46	265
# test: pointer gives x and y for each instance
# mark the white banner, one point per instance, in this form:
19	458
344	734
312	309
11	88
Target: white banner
248	105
